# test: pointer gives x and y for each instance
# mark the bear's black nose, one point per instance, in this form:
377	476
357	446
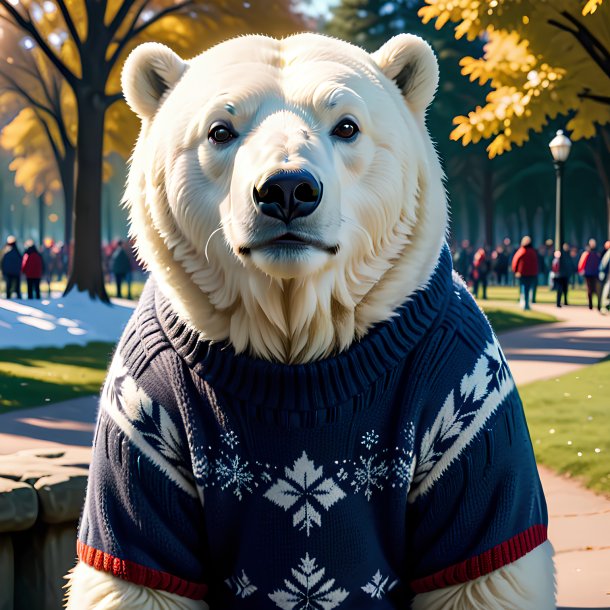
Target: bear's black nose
288	195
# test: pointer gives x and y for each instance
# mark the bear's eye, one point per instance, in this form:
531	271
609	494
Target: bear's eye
345	129
220	133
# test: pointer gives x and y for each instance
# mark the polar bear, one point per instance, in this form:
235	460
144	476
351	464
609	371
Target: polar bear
307	409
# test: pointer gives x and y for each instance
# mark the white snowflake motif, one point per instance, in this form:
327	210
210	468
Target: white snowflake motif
230	439
370	439
233	473
402	471
376	588
370	475
309	592
303	485
242	585
447	425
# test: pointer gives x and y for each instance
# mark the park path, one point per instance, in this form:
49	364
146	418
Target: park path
579	519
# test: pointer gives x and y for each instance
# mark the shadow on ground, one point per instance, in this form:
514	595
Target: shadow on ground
72	423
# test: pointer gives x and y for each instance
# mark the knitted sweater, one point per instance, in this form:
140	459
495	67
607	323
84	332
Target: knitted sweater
401	465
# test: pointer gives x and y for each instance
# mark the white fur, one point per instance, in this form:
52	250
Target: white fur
526	584
383	205
90	589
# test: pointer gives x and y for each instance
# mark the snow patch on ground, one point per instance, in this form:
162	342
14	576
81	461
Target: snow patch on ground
55	322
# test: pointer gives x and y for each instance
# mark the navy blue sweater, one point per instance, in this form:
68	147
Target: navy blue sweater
399	466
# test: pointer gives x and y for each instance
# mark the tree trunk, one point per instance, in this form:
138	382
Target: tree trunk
67	169
600	150
40	219
86	271
488	203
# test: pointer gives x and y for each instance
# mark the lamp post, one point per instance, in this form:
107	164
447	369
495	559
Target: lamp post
560	149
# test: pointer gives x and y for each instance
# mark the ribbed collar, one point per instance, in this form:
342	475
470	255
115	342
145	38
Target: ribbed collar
321	384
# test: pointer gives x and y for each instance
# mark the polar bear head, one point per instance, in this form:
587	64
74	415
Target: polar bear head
285	193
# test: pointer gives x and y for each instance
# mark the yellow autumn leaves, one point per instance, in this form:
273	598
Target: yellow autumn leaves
540	59
39	105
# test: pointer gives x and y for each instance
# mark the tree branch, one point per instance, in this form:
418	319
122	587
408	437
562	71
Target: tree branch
602	99
65	13
15	87
580	26
28	26
54	147
123	42
596	50
120	16
111	99
135	31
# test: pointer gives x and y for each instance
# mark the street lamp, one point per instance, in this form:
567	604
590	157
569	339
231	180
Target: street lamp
560	149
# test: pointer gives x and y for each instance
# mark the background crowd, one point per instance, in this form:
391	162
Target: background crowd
525	266
529	267
48	263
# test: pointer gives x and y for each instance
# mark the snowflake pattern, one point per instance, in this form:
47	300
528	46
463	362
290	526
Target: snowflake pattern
230	439
302	486
479	392
370	439
132	409
241	585
309	591
376	588
370	475
233	473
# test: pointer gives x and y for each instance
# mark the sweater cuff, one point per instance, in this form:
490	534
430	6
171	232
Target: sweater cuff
499	556
139	574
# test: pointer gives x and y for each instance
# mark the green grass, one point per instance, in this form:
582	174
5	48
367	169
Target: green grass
569	422
502	319
136	289
578	296
35	377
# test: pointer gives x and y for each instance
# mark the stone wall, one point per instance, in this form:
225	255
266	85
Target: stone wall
41	497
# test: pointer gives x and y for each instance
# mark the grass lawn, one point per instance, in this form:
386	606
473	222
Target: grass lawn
136	288
502	319
569	422
578	296
34	377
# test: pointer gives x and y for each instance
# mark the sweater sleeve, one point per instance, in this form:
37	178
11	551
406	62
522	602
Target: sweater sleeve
477	503
143	518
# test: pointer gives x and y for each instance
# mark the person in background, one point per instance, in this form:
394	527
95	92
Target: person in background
588	266
480	271
604	278
11	267
462	259
561	269
501	266
47	262
509	250
525	268
549	255
543	272
121	268
32	267
574	277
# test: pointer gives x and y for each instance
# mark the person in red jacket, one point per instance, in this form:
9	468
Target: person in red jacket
525	268
32	268
588	266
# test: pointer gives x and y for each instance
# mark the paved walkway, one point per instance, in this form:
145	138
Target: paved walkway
579	519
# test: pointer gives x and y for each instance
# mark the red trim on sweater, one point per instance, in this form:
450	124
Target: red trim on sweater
493	559
138	574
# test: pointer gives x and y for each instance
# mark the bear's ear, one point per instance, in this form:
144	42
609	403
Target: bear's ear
410	62
150	70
